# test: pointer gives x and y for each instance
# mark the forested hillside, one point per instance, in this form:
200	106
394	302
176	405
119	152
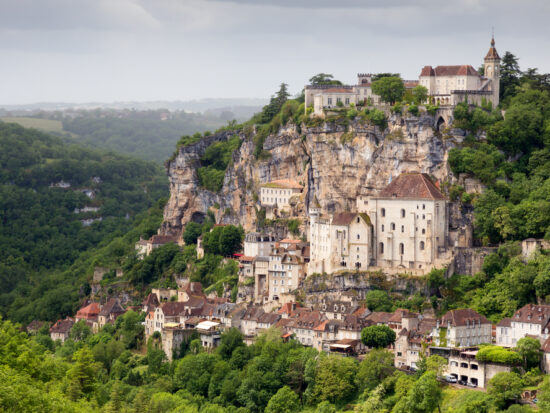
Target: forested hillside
46	225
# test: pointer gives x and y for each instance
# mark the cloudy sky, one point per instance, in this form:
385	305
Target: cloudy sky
114	50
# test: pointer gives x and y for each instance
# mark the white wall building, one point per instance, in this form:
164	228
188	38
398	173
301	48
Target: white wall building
342	241
278	193
256	244
462	328
410	223
531	319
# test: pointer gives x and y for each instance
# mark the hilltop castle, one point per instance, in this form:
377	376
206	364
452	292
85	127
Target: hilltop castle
447	86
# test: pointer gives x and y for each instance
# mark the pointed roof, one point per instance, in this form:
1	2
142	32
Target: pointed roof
412	186
449	70
112	306
463	317
492	53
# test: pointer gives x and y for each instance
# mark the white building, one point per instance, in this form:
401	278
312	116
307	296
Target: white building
256	244
531	319
410	223
462	328
285	273
341	241
504	333
278	194
447	85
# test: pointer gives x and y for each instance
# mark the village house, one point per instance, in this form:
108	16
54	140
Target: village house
150	303
173	335
285	271
341	241
462	328
249	320
466	368
257	244
408	347
531	319
410	223
110	312
61	329
145	247
504	333
336	309
88	313
261	279
209	334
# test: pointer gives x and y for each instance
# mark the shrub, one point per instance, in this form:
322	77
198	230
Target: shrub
496	354
413	110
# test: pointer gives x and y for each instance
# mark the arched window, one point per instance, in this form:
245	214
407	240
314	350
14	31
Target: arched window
421	245
382	227
401	249
357	219
402	228
423	230
402	213
392	226
381	248
383	212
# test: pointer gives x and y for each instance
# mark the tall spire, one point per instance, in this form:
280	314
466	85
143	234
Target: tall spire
492	53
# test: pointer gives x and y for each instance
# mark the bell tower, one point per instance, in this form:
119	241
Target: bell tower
492	71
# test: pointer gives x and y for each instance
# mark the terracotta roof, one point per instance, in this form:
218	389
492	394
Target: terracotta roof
410	84
269	318
379	317
62	326
458	70
151	301
413	186
290	241
245	258
492	53
90	311
163	239
505	322
112	306
399	314
463	317
532	313
546	346
173	308
282	183
287	308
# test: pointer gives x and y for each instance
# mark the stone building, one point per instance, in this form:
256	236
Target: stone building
285	272
464	366
61	329
410	223
447	86
462	328
256	244
341	241
279	197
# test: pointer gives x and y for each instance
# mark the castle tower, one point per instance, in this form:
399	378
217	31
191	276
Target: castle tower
492	71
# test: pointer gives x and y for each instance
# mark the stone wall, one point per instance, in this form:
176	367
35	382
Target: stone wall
468	261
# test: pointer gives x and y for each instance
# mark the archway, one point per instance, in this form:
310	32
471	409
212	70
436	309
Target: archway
440	124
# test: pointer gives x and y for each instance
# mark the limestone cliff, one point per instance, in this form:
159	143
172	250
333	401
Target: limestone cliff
334	162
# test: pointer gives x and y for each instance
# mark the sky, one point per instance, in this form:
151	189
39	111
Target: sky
143	50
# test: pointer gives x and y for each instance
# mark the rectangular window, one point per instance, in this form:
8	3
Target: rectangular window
329	101
347	101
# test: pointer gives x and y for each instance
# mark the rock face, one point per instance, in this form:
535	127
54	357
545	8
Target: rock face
335	163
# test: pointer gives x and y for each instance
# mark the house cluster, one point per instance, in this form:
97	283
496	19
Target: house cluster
95	315
446	86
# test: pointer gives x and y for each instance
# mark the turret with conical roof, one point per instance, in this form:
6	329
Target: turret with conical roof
492	70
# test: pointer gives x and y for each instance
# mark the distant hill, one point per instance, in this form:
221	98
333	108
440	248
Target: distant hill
58	202
145	134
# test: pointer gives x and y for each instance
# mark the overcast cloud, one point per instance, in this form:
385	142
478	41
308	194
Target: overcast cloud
114	50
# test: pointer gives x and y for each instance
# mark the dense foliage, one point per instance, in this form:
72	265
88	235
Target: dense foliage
214	162
149	134
41	233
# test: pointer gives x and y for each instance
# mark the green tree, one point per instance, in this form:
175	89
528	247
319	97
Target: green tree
335	379
323	79
80	331
390	89
509	75
378	300
230	340
543	394
378	336
82	375
423	397
529	350
231	240
504	388
284	401
377	365
420	94
193	230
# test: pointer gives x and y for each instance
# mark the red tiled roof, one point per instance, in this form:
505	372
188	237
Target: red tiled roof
90	311
290	241
505	322
463	317
532	313
62	326
411	185
379	317
457	70
338	90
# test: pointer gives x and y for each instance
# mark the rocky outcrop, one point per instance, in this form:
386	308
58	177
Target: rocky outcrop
334	162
